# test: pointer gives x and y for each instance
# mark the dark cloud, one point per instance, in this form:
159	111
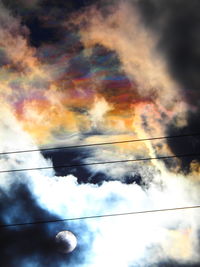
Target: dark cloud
177	23
41	33
44	18
83	173
172	263
66	5
4	60
21	245
69	157
186	145
72	157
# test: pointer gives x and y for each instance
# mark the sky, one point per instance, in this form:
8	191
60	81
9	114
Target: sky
75	73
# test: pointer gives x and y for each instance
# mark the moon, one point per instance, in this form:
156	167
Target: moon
66	241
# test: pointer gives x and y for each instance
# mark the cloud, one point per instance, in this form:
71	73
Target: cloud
136	48
102	80
140	239
33	244
178	39
127	239
176	24
161	104
19	204
98	111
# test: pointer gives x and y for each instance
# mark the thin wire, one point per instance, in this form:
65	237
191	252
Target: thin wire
99	216
100	163
100	144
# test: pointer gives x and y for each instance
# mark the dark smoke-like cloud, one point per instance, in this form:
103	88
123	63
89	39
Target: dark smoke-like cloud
177	23
64	157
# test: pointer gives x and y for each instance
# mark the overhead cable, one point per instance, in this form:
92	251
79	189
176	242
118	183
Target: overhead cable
101	163
99	144
99	216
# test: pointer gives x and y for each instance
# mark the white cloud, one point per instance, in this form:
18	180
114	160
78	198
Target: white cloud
98	111
121	240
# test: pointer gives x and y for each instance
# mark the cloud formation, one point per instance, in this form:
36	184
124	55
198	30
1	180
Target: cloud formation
89	76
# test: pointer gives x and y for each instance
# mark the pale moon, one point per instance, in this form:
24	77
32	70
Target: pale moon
66	241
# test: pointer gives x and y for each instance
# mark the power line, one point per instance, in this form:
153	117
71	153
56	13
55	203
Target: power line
100	163
100	144
99	216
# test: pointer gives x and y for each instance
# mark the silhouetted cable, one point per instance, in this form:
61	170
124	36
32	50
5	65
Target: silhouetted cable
99	216
100	163
100	144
